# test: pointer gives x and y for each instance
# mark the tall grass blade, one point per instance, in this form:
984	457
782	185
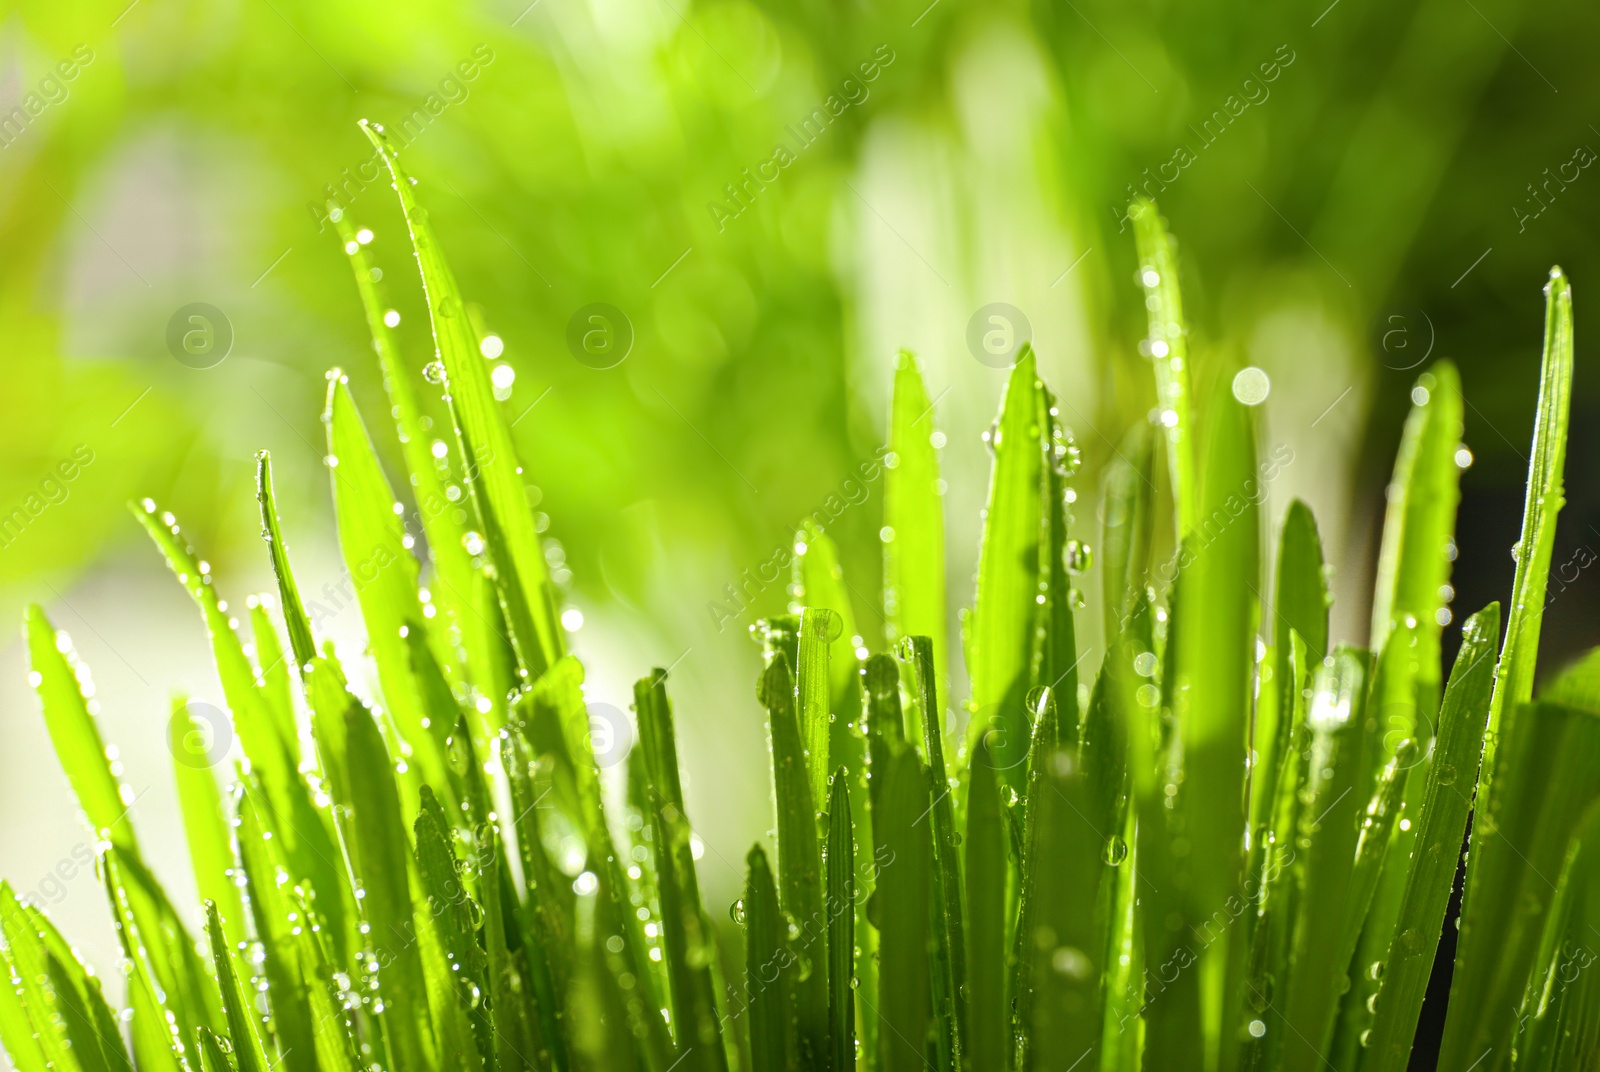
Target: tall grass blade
1212	667
689	943
913	513
840	867
1514	676
905	917
55	677
988	870
1128	505
487	451
950	958
1000	628
1441	824
1168	346
205	821
1329	829
799	863
766	977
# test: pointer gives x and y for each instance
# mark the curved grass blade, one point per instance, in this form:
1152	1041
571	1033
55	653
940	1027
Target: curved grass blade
913	512
79	746
1169	347
453	574
301	641
159	1026
379	563
1441	824
493	473
1000	636
35	1020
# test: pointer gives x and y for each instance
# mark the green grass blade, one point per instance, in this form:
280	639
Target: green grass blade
1301	606
688	941
22	1042
1441	824
273	913
1414	562
332	1030
950	992
766	975
1548	771
82	752
453	577
247	1047
1056	659
987	873
1000	635
272	665
905	916
1518	653
161	1023
295	621
493	473
91	1027
913	512
550	961
814	696
35	1006
1168	346
205	821
1214	637
213	1058
1514	681
1061	936
1560	1015
382	570
840	866
453	913
1329	828
381	856
1128	508
799	861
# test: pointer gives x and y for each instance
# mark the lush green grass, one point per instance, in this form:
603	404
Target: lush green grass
1233	850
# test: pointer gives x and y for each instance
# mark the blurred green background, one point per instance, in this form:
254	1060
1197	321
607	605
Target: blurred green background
777	197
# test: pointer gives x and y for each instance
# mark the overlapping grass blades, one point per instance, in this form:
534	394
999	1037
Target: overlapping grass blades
1234	850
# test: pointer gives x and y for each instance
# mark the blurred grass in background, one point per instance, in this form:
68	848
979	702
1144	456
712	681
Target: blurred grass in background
776	197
